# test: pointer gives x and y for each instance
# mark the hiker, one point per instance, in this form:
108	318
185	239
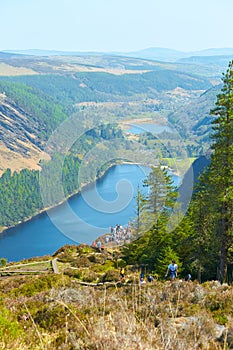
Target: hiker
99	245
142	275
188	277
150	278
142	281
142	278
172	270
122	273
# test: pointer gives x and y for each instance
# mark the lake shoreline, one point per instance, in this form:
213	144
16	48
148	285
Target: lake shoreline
44	210
83	187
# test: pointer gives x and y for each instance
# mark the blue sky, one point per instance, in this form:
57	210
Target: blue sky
116	25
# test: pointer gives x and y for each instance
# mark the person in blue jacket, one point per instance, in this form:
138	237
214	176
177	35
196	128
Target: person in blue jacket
172	270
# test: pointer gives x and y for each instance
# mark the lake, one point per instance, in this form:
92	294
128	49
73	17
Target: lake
81	219
155	129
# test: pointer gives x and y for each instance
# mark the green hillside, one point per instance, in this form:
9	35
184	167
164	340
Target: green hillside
40	106
193	119
100	87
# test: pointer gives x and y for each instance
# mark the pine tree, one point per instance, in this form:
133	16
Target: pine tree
140	202
211	208
154	210
203	250
162	194
221	169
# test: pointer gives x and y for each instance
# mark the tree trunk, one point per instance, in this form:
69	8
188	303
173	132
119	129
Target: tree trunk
223	264
223	254
199	275
224	248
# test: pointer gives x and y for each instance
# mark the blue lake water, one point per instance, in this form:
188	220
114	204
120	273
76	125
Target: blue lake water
148	127
84	217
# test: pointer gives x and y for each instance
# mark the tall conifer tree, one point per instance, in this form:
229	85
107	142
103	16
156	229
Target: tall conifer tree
221	170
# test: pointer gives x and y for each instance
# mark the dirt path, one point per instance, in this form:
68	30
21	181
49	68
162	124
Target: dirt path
54	265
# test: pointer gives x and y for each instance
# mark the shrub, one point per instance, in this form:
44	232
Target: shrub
52	317
89	276
72	273
110	276
3	262
9	329
36	285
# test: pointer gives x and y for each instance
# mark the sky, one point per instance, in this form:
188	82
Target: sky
116	25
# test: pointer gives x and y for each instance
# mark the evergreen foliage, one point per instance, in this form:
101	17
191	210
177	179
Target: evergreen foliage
221	170
154	211
203	241
20	196
101	86
40	107
212	206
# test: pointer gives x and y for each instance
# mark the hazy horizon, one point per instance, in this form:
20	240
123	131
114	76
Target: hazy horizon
122	26
131	51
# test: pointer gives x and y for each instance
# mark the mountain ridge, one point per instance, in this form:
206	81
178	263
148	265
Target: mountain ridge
154	53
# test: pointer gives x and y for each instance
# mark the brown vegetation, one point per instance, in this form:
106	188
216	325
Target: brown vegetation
54	311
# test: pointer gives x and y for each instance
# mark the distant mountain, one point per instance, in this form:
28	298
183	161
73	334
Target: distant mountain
165	54
38	52
151	53
217	64
227	51
218	60
55	62
7	55
154	53
157	53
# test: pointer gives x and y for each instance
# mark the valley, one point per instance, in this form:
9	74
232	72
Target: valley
41	93
46	90
116	175
88	140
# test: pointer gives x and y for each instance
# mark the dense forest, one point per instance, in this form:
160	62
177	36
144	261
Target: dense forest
101	86
20	192
40	106
202	242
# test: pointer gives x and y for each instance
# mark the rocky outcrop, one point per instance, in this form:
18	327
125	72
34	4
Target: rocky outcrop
20	143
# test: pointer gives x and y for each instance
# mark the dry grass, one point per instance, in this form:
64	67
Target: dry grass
8	70
61	314
16	162
51	312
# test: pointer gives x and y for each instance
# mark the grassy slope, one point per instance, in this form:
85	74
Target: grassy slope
57	312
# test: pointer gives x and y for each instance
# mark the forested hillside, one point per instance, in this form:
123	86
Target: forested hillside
193	119
21	146
100	86
20	193
202	241
37	105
